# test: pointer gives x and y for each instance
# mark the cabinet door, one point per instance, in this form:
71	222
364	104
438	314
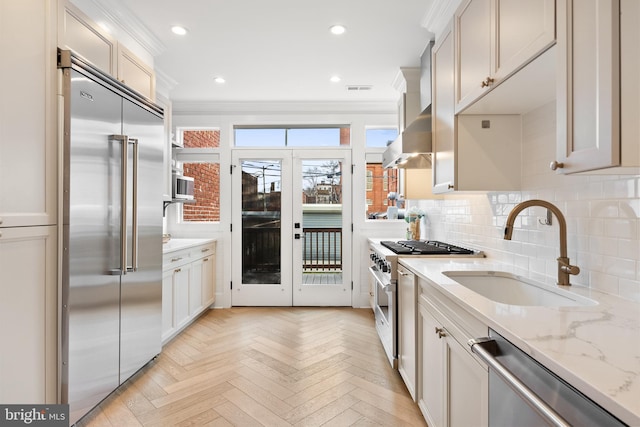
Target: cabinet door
431	369
523	29
28	156
443	114
195	287
473	53
407	330
467	387
208	280
168	321
588	84
28	313
135	74
181	279
78	33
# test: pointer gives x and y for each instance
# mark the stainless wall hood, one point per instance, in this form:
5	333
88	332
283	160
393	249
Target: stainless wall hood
412	148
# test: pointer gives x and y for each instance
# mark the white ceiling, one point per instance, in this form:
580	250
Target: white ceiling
277	50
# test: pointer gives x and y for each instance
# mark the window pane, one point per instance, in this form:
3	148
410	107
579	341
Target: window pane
292	137
206	184
268	137
380	184
380	137
318	137
201	138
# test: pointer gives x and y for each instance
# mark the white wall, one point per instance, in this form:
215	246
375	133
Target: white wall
602	213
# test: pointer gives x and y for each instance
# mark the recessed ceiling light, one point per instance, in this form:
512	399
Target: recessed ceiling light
219	79
337	29
335	79
177	29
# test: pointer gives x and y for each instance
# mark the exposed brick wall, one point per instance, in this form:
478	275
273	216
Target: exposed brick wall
378	194
206	179
345	136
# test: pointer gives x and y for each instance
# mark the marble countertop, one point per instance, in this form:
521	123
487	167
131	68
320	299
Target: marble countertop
176	244
595	348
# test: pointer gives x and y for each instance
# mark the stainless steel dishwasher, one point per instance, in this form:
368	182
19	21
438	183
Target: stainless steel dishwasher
524	393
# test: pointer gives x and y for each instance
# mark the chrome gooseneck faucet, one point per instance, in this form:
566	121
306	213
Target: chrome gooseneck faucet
564	268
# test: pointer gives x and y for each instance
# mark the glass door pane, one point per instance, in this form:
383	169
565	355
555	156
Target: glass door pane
261	228
261	224
321	261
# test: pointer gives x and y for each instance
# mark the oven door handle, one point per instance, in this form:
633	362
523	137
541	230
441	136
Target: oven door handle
486	349
386	287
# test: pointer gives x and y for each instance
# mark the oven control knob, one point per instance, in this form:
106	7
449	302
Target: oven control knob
385	267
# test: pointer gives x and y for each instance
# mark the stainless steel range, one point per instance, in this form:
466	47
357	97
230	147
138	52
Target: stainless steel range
384	278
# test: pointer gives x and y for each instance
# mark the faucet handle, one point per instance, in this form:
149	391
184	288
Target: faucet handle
565	267
571	269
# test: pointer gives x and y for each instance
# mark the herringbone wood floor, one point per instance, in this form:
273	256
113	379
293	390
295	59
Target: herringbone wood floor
266	367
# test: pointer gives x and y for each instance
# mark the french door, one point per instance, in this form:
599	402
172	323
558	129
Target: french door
291	227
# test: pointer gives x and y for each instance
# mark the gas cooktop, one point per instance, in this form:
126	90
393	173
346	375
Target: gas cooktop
424	247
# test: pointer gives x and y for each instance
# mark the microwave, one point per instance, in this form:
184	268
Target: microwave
182	187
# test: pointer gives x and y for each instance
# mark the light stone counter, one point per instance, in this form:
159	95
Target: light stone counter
176	244
595	348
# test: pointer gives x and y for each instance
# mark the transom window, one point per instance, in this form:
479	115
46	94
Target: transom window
302	136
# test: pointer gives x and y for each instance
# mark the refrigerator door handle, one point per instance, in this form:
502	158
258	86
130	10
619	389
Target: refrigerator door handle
134	219
124	159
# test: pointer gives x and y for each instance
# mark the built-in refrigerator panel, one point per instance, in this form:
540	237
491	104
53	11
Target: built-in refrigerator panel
141	297
112	234
91	240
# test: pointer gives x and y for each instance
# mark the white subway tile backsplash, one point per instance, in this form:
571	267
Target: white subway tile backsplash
602	214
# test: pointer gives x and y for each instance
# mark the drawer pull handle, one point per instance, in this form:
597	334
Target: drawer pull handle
205	260
440	332
177	270
205	250
176	259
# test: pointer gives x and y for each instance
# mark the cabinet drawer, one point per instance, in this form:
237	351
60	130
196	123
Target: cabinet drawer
176	258
461	324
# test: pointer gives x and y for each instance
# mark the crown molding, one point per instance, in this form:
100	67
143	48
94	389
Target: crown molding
119	15
282	107
438	15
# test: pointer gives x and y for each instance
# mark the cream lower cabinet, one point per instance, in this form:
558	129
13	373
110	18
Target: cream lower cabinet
407	328
453	384
188	287
28	315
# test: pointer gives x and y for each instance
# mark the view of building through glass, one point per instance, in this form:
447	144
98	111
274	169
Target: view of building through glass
206	179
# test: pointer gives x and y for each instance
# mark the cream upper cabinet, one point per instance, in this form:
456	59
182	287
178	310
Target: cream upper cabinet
598	85
79	34
87	39
135	74
28	156
470	152
443	114
494	39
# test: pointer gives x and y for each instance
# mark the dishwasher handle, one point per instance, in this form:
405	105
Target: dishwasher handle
486	348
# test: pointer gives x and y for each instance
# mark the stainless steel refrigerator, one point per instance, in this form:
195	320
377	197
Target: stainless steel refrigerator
111	292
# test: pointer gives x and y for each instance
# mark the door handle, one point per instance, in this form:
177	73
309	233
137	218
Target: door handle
134	215
296	236
124	143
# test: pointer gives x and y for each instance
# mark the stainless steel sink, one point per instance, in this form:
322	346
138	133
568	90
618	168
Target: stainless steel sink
511	289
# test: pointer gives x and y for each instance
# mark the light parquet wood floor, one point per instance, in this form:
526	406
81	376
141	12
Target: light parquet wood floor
266	367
